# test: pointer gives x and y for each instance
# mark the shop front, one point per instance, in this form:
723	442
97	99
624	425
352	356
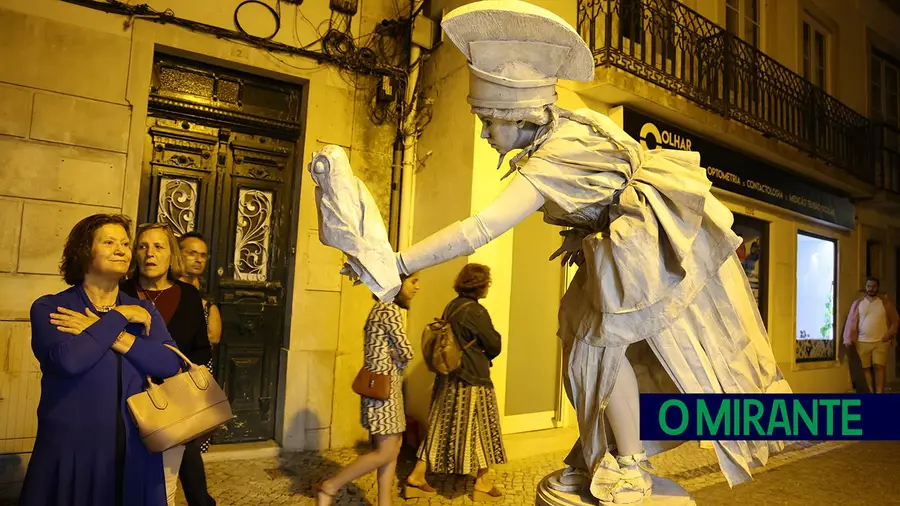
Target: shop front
798	248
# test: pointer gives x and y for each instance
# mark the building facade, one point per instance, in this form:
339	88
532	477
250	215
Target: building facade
792	106
180	113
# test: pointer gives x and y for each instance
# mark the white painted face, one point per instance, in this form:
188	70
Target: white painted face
505	135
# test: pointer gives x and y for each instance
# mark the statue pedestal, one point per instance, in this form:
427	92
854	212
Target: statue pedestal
665	493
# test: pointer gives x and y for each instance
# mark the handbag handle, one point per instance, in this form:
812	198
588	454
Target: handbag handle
158	398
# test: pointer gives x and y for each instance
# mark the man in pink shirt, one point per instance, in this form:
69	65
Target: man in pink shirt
872	327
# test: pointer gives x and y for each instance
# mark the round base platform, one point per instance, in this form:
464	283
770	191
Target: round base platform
665	493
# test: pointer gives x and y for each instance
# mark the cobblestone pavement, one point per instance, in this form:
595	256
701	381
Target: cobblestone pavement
845	473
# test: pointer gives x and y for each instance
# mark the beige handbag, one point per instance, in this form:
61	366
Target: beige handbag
186	406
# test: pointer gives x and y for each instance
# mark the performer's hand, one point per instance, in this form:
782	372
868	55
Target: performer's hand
348	271
571	247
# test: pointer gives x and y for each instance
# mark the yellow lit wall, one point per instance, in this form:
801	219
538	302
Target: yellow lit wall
73	111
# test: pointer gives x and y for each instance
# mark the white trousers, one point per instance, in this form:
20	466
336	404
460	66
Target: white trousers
171	465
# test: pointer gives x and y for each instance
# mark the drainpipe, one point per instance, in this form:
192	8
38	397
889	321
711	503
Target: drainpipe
408	137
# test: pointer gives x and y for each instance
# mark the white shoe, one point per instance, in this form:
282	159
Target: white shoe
623	480
638	463
571	480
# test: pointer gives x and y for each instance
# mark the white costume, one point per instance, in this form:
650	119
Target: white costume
349	220
659	277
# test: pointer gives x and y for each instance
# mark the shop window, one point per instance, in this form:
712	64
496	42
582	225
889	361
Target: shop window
754	256
816	298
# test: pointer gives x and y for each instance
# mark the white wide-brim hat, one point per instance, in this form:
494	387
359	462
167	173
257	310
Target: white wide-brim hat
516	52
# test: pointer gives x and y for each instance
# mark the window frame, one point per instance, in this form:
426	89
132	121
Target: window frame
837	339
885	61
743	18
811	74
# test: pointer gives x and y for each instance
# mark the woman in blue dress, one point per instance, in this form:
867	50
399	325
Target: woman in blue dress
96	347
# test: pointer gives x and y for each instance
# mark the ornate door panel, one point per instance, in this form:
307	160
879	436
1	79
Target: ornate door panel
220	160
253	237
182	174
235	189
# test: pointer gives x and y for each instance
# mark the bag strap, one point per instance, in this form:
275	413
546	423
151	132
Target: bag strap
186	360
199	380
455	312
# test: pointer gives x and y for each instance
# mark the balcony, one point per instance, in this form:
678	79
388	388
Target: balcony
670	45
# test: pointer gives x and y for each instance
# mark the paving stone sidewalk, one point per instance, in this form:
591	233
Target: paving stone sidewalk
805	473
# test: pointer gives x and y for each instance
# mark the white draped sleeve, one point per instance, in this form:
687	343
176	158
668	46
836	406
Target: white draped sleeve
515	203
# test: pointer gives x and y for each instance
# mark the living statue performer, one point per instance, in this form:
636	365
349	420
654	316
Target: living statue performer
657	269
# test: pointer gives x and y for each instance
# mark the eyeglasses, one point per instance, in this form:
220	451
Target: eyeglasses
151	226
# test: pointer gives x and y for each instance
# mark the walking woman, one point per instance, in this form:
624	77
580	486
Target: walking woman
464	423
96	345
159	267
195	253
387	351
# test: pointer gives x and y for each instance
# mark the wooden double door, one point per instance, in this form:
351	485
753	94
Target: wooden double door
236	189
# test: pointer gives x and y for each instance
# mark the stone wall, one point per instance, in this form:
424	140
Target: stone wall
63	150
73	108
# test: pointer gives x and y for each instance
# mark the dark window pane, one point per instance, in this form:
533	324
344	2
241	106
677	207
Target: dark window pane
751	34
892	93
820	49
806	40
752	13
732	21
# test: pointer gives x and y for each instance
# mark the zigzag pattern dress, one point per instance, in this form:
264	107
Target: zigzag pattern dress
386	351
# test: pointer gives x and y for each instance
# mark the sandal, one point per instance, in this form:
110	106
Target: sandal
494	495
419	491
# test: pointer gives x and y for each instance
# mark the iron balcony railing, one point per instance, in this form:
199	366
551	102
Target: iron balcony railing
672	46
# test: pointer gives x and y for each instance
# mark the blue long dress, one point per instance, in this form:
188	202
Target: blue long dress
88	451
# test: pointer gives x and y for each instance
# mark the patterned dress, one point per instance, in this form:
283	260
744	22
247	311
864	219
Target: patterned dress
464	433
386	351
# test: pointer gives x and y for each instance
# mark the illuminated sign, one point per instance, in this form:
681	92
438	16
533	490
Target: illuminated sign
736	172
756	417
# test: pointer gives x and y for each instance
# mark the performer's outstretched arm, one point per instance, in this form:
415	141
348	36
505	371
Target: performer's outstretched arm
518	201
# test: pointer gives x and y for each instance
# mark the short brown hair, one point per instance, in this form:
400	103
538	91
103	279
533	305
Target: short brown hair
78	253
176	263
473	280
192	235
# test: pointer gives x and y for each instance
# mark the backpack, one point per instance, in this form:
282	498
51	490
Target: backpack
440	348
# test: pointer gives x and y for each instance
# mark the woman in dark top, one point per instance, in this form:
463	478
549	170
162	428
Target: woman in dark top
464	423
96	345
195	253
159	266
